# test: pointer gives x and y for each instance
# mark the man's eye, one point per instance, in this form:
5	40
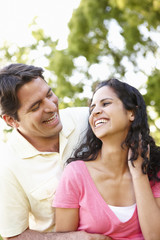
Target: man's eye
50	94
35	107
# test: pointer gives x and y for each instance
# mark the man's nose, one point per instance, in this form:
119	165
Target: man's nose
50	105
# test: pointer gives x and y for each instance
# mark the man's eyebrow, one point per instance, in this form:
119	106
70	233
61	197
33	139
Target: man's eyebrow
49	90
35	103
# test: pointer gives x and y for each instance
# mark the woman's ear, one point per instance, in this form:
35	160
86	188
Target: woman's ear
131	116
10	121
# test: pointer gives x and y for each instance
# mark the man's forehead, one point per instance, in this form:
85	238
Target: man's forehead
32	91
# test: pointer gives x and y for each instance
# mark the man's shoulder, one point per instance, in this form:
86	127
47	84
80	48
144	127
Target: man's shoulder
74	109
4	150
7	157
75	118
75	113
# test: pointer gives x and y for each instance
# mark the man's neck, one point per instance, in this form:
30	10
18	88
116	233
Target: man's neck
50	144
53	147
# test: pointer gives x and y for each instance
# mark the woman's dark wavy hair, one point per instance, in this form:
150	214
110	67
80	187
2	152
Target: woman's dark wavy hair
139	131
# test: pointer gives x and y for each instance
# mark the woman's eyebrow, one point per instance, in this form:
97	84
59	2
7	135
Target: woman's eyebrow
104	99
108	98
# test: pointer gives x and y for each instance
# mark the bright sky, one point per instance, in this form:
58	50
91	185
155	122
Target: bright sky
16	15
53	16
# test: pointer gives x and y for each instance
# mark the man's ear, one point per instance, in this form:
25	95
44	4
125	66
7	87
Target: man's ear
10	121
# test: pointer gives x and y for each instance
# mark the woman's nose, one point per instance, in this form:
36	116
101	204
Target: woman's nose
97	110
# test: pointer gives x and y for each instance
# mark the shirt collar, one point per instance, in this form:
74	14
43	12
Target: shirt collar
21	146
25	149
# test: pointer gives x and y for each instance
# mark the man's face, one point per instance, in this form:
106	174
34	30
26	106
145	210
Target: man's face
38	113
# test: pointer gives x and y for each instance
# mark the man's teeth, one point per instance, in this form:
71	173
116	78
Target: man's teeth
100	121
51	118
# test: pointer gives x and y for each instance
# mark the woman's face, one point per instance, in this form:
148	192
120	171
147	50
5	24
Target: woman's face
108	116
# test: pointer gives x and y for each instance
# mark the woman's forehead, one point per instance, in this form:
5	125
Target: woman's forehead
104	92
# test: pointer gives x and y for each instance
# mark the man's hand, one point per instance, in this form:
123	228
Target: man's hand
78	235
89	236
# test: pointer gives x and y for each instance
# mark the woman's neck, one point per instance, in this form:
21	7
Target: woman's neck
114	158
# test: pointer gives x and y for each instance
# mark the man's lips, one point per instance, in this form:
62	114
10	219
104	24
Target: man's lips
52	118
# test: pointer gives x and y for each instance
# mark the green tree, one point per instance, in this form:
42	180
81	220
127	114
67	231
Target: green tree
114	33
135	25
58	63
92	23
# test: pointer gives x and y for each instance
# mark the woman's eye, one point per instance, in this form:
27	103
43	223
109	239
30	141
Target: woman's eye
106	103
90	110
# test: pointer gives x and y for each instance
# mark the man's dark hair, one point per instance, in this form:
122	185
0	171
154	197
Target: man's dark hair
12	78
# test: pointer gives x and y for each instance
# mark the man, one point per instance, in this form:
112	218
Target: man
39	145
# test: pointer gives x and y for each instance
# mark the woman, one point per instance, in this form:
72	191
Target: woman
114	187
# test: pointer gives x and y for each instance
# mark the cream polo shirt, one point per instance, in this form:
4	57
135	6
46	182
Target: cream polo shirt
28	178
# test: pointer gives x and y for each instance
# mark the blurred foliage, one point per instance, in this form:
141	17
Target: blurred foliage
138	23
91	22
120	30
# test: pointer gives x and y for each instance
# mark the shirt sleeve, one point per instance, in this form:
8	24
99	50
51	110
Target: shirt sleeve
67	193
14	207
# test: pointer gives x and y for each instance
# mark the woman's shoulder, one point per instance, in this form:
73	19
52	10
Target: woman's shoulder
74	171
76	165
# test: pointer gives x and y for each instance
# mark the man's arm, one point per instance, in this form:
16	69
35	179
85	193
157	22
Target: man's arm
34	235
14	205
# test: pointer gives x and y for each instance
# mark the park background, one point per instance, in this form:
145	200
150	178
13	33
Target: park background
81	42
